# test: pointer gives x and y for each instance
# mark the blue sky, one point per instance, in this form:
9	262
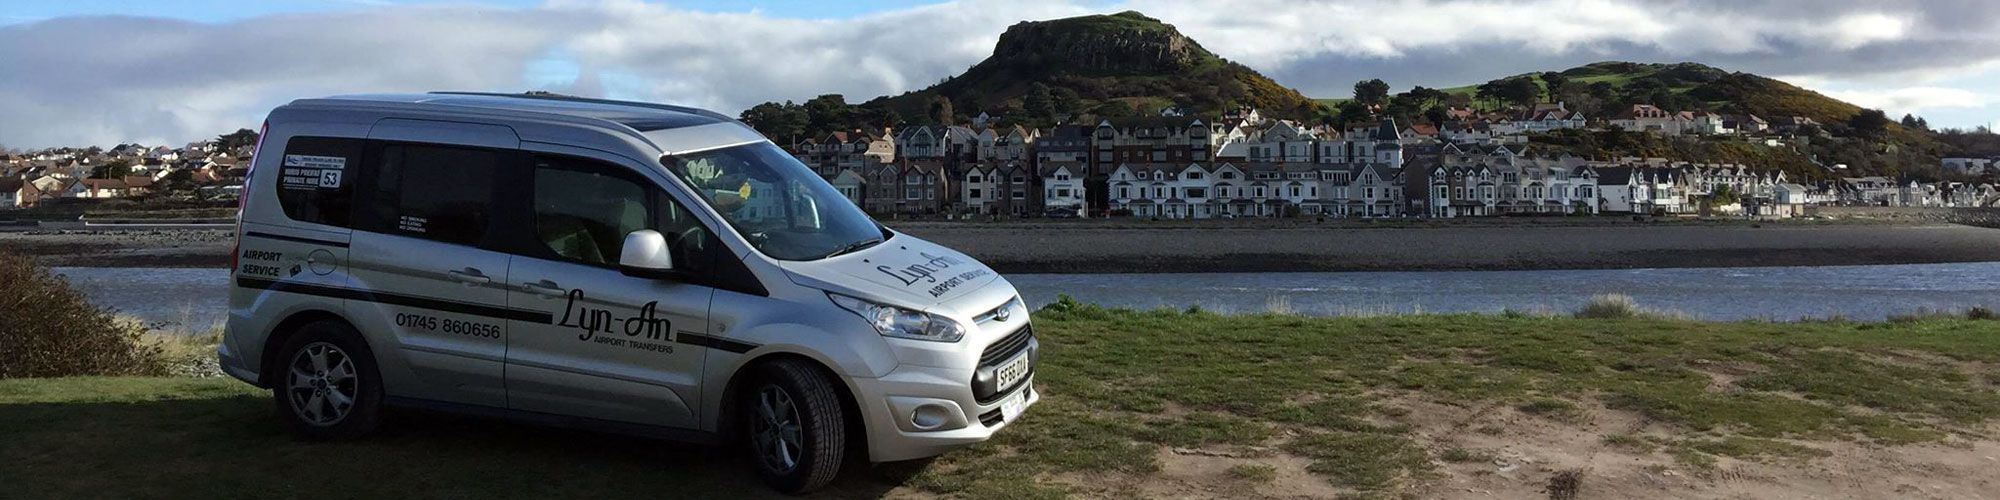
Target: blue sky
167	71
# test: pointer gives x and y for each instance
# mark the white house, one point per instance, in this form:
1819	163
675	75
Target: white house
1062	188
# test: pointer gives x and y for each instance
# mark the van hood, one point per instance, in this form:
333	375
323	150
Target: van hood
903	269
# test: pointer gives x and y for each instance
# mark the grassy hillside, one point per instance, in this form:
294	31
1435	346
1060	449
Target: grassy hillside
1183	403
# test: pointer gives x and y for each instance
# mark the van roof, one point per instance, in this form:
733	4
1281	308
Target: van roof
640	116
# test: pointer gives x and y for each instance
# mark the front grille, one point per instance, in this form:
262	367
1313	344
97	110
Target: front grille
1006	347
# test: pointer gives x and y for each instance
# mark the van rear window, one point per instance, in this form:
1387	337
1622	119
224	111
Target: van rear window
432	192
314	183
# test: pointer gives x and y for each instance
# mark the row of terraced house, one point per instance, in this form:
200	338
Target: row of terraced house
1244	165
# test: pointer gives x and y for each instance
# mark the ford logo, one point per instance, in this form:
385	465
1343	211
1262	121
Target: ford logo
1005	311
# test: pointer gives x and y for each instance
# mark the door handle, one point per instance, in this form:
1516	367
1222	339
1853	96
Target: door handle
544	288
470	276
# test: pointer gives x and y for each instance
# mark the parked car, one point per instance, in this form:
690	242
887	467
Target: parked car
1060	213
615	266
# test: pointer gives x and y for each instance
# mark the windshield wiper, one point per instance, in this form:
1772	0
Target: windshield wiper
852	247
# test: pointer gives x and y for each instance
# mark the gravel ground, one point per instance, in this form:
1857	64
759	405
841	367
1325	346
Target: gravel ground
1132	246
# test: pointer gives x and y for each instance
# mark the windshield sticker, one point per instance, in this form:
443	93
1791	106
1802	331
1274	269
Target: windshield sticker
306	172
412	223
638	330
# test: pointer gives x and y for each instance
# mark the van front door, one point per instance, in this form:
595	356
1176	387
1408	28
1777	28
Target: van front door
609	349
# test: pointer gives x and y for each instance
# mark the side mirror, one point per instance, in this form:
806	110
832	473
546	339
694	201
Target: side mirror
645	255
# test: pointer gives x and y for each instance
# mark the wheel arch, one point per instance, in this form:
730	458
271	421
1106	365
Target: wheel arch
728	422
283	331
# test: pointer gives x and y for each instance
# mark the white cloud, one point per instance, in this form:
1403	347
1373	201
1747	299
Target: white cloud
1914	99
103	80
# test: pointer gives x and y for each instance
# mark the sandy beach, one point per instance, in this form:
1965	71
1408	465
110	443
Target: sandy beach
1133	246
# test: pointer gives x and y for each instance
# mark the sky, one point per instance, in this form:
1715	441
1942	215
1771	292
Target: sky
101	72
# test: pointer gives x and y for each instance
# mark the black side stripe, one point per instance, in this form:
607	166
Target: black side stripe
295	239
396	299
713	342
689	338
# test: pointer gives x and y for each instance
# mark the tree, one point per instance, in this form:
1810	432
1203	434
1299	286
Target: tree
1066	102
1871	123
1114	109
1371	92
115	169
1722	195
176	182
1520	91
1351	112
1909	121
1554	81
828	113
782	123
1039	103
241	138
1429	97
1437	115
941	112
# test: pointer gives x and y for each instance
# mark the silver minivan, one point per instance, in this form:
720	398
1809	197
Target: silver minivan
617	266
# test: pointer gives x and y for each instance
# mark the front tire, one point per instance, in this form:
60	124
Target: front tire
327	385
797	432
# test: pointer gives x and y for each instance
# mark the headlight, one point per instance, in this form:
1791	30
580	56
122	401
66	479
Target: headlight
892	321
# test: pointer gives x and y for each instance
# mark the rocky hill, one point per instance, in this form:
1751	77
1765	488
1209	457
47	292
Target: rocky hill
1115	64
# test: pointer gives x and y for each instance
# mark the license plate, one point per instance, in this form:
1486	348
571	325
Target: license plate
1011	409
1012	372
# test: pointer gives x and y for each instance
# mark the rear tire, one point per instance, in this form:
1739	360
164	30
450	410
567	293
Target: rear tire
326	386
795	429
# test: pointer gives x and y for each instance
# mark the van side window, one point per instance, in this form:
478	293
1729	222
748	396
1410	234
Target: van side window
433	192
314	183
583	212
584	208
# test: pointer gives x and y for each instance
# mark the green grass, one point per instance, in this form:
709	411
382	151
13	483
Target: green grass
1120	388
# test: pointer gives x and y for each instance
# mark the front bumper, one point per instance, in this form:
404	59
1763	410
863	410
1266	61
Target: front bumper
918	411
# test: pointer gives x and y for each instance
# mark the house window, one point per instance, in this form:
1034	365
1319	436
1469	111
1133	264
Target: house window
972	194
1062	193
1369	193
1197	193
1124	192
913	194
1193	175
1020	195
972	178
1229	176
1295	191
1062	177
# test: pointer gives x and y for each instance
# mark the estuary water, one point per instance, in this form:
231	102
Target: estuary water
198	298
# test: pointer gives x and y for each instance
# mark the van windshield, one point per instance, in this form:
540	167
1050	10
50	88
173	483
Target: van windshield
784	209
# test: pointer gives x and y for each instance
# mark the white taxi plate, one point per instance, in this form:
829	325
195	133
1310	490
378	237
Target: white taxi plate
1011	408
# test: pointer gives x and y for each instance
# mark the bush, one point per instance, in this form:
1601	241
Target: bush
52	330
1619	306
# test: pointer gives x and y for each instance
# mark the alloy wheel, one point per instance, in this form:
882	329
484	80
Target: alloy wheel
322	384
776	434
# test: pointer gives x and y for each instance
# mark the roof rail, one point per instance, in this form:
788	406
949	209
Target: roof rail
568	98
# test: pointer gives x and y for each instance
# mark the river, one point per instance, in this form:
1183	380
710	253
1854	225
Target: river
198	297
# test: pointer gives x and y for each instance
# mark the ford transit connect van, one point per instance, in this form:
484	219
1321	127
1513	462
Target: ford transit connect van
618	266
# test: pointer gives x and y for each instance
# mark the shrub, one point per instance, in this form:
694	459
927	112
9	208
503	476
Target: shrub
52	330
1612	306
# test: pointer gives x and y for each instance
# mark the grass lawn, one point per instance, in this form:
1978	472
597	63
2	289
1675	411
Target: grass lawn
1136	403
